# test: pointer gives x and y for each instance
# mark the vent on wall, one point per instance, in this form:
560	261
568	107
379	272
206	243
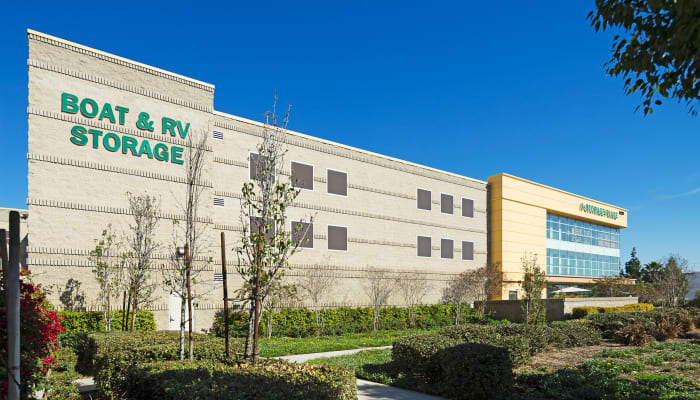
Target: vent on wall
218	135
219	201
218	277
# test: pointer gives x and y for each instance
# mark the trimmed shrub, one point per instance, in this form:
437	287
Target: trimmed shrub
475	371
110	356
634	335
416	355
581	312
267	380
93	321
575	334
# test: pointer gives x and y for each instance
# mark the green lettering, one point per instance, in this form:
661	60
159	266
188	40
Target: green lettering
129	143
183	134
79	138
84	109
146	149
168	125
122	112
95	138
69	103
117	142
176	155
107	112
161	152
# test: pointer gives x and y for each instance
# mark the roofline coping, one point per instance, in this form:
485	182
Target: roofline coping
558	190
33	32
329	142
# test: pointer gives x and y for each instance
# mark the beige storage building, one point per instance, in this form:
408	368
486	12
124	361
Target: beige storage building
101	126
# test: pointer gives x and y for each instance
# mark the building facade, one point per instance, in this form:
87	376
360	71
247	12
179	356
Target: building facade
101	126
576	239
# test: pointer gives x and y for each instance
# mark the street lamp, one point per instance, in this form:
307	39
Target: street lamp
180	252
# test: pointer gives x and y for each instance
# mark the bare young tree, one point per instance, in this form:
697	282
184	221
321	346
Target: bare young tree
109	264
141	240
533	284
316	283
412	287
378	286
266	242
472	286
672	282
189	232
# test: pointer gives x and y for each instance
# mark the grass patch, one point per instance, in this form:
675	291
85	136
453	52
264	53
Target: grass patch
282	346
625	353
372	365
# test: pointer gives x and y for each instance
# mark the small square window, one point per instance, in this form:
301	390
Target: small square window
446	204
218	135
303	233
303	176
513	295
337	182
424	245
467	208
424	198
447	248
219	202
255	226
337	238
256	163
467	251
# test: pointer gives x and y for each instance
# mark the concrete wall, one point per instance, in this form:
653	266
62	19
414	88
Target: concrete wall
557	309
76	191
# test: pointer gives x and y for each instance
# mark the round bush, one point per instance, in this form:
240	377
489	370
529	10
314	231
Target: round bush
473	371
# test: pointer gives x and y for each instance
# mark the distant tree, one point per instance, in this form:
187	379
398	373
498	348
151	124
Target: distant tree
412	287
658	52
378	286
650	271
316	283
672	282
278	293
471	286
633	267
533	284
456	292
611	286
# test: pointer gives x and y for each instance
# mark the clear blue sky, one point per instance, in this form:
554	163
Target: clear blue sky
476	89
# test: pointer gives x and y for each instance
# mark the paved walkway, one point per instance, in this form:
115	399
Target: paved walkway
366	390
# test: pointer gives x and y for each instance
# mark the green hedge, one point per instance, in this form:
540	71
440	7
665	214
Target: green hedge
268	380
522	341
301	322
473	371
117	353
93	321
581	312
416	355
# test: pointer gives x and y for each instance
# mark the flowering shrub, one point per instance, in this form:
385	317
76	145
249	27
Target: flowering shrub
39	329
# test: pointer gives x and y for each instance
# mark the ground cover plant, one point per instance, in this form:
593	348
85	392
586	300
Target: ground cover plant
660	371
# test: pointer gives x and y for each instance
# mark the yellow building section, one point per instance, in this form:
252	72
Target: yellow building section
518	225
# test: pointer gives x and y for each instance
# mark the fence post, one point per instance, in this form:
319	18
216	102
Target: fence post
11	274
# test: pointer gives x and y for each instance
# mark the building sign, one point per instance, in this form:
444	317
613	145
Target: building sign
112	142
604	212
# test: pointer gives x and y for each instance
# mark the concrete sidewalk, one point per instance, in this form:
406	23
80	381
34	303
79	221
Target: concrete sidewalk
366	390
300	358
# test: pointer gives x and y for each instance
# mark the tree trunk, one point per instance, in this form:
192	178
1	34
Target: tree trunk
134	309
108	313
248	352
182	320
269	324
